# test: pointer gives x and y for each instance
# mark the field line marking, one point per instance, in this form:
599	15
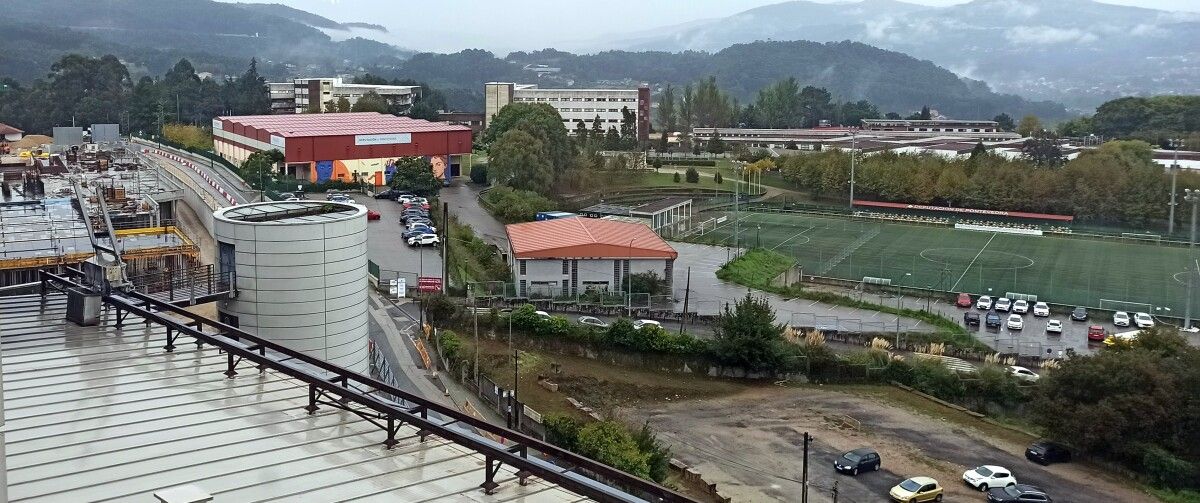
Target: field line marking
793	237
968	269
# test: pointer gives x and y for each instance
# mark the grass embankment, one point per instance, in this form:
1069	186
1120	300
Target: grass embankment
758	267
472	259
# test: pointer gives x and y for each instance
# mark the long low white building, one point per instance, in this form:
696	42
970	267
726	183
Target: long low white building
570	256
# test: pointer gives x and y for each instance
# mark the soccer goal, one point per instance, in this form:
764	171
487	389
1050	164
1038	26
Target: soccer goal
705	227
1153	238
1124	305
1027	297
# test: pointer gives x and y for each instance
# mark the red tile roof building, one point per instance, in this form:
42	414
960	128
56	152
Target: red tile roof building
569	256
342	145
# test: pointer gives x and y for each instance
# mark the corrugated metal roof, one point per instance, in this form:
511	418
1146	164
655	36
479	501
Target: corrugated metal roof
6	129
582	237
339	124
102	413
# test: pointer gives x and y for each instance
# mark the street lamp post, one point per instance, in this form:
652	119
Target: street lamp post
907	274
1176	144
853	148
1191	196
629	279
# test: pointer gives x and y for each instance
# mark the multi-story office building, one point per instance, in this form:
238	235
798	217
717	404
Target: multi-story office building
298	95
574	104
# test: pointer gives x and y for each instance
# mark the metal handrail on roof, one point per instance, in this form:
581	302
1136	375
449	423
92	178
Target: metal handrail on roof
571	471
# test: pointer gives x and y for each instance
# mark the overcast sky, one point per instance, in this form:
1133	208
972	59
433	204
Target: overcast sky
502	26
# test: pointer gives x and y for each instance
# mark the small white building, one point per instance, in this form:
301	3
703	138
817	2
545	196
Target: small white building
9	133
569	256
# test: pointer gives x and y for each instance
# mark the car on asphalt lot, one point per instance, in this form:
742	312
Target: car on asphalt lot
1023	373
1015	322
1121	319
385	194
637	325
542	314
1079	313
859	460
418	220
341	199
991	320
592	321
421	225
293	198
916	489
983	302
1020	493
403	198
970	318
1095	333
1054	326
373	215
1041	309
413	233
1045	452
988	476
1143	320
421	228
424	239
1020	306
1003	304
284	196
964	300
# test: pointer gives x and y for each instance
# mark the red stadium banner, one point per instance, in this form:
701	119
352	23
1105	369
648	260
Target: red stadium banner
965	211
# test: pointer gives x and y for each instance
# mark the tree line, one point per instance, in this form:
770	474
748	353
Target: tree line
1156	119
1117	182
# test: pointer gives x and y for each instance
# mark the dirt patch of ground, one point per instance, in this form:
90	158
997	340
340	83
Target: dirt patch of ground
750	445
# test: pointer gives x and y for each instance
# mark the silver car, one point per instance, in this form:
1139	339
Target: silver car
592	321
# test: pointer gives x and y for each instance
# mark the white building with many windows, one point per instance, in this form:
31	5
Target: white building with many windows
296	96
574	105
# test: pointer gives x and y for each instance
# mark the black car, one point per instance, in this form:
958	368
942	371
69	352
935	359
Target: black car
385	194
992	320
1020	493
406	216
858	460
1045	452
971	318
1079	314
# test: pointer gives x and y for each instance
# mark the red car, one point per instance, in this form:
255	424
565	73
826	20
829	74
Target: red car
964	300
1095	333
373	215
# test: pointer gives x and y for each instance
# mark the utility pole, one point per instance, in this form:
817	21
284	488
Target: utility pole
1176	144
475	320
737	221
853	148
804	470
835	491
512	397
629	279
445	238
1193	197
686	295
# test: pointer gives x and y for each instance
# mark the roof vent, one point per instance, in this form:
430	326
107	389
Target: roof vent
183	494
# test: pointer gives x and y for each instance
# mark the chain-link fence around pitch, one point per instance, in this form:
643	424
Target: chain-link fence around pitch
1062	269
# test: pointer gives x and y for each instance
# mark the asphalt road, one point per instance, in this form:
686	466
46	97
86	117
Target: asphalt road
387	248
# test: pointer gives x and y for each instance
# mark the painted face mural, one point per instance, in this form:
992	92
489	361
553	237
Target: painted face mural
439	163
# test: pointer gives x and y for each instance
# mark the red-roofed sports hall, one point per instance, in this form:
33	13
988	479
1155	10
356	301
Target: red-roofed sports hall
343	146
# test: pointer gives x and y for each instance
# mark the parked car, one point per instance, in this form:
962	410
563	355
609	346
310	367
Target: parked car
638	324
1020	306
286	196
1015	322
413	233
293	198
858	460
403	198
971	319
385	194
988	476
419	221
983	302
1079	314
424	239
373	215
1054	326
417	225
1095	333
543	314
1143	320
1023	373
1020	493
419	228
592	321
964	300
341	199
1041	309
991	320
1003	304
916	489
1121	319
1045	452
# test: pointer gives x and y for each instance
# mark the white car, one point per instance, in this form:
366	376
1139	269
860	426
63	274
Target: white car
1121	319
542	314
984	302
424	239
646	323
1054	326
1015	322
1143	320
988	476
1023	373
1041	309
1003	304
414	225
1020	307
592	321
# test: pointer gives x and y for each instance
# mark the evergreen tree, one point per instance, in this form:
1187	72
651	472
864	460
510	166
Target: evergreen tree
581	132
667	119
925	115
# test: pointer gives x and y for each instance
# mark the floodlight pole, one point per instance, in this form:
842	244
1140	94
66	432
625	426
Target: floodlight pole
1193	197
1175	144
853	148
629	279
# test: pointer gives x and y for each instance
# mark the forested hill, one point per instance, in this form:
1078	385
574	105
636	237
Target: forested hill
217	37
849	70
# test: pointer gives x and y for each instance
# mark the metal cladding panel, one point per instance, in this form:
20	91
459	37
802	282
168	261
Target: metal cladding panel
106	133
262	135
300	150
328	148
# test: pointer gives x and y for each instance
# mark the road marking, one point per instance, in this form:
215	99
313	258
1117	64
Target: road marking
968	269
794	236
813	303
